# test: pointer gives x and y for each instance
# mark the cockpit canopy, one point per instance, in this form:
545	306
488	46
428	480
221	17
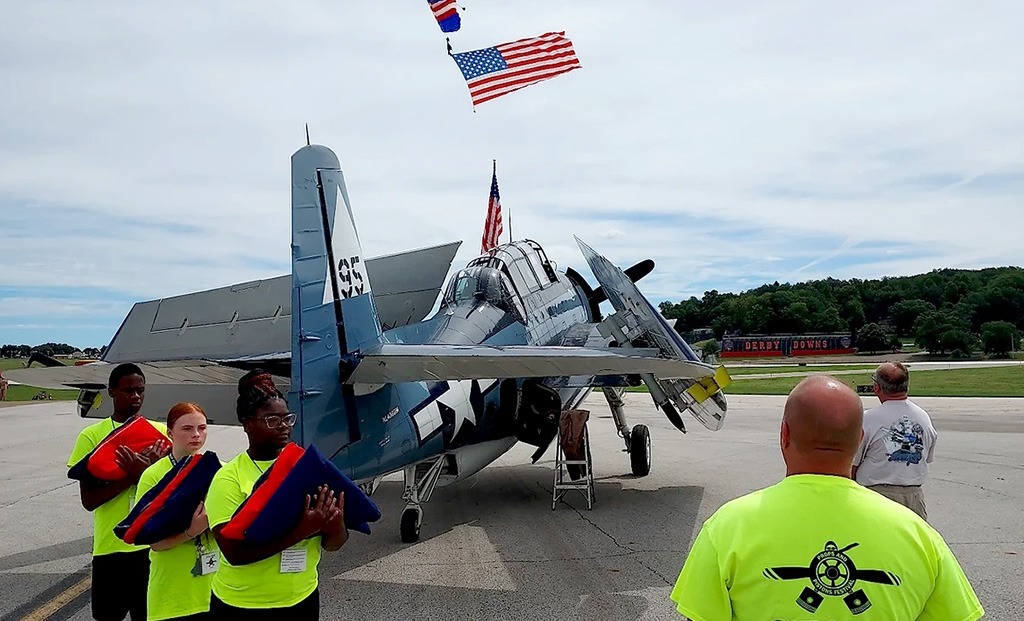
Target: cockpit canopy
523	262
484	284
503	277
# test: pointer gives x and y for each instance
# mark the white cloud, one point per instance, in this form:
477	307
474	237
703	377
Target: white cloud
810	127
57	307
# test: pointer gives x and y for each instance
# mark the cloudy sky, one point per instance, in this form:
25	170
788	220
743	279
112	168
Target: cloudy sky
144	147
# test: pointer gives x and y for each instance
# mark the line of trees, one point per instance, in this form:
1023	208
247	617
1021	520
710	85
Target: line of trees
944	311
49	349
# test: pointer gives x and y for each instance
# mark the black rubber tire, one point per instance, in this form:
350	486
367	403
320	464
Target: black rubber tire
640	450
410	527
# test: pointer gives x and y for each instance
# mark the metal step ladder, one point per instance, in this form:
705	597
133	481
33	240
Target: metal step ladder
563	483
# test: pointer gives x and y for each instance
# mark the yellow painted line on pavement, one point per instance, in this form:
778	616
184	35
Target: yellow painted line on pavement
53	606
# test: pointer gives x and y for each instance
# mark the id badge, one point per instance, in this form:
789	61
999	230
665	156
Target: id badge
293	561
209	563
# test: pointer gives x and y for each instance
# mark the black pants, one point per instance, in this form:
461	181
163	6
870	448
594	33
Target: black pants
306	610
119	583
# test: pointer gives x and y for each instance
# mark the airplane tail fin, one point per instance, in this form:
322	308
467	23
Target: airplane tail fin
333	313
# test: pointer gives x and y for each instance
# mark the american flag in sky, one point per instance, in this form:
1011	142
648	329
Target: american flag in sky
496	71
492	225
446	12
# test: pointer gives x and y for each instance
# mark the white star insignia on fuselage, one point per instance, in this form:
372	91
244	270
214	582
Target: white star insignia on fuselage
465	405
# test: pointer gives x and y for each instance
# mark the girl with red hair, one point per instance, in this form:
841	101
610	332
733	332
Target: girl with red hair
180	576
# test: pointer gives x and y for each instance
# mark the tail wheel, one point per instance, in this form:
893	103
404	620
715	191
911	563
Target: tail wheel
410	526
640	450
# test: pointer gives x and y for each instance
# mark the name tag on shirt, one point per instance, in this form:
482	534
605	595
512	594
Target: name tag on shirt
293	561
209	563
206	564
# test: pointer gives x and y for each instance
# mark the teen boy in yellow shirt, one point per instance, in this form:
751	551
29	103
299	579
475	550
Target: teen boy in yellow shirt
119	571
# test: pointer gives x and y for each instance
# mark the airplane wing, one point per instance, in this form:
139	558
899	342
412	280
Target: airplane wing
194	347
391	363
636	323
252	320
212	384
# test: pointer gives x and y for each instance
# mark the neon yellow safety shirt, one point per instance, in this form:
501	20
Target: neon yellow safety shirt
821	547
110	513
174	589
261	584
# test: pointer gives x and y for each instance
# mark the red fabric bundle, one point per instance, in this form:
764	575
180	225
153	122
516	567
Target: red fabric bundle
263	492
137	434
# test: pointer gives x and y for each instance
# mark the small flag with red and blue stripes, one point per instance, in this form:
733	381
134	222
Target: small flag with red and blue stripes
446	12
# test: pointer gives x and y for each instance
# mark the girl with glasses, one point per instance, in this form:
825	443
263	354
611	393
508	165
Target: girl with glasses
276	580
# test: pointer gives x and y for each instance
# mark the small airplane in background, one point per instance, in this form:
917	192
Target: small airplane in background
380	387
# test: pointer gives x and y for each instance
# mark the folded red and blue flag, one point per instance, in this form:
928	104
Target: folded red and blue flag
446	12
137	434
278	498
167	508
495	71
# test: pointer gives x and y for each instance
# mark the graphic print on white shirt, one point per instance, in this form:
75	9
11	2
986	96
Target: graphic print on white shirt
904	441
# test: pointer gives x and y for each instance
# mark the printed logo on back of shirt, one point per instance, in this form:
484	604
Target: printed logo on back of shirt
904	441
832	573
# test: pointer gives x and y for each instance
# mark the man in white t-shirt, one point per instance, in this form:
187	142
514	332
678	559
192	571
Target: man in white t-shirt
898	443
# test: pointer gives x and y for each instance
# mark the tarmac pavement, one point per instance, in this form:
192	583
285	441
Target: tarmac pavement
491	547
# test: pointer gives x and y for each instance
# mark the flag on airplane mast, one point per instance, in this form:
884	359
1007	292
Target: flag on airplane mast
492	225
446	12
495	71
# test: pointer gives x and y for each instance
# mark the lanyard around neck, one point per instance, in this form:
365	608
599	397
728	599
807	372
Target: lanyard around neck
254	462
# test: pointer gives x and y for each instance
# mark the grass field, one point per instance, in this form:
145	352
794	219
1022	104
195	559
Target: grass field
25	393
984	382
11	363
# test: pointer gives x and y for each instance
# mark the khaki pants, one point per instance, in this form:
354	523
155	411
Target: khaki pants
910	496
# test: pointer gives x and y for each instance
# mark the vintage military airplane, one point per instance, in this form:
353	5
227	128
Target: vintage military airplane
379	387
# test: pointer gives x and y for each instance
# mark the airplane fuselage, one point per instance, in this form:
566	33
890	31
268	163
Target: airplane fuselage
512	296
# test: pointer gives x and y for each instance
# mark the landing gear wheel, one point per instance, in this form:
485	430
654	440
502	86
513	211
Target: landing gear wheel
410	527
640	450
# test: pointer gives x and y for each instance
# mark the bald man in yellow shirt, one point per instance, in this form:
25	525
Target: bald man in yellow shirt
818	545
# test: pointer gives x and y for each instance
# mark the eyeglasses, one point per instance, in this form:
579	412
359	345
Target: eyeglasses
273	422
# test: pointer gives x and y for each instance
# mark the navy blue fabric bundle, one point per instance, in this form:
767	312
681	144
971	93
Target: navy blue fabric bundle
282	512
167	509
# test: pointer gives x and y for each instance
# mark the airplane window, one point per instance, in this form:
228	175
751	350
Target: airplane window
465	287
462	288
521	284
539	269
522	265
481	284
